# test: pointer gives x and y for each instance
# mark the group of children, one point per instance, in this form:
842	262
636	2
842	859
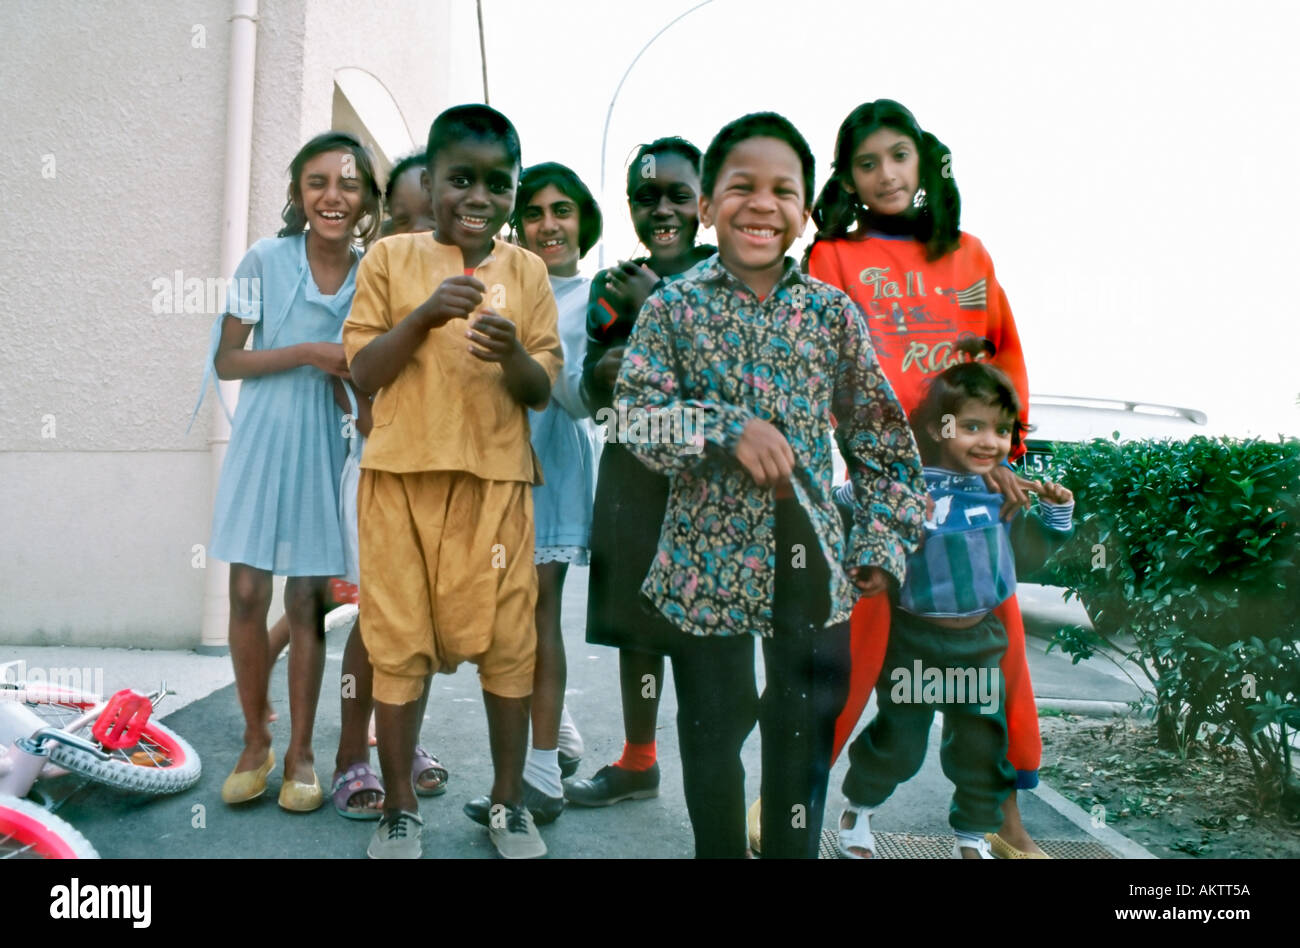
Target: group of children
471	367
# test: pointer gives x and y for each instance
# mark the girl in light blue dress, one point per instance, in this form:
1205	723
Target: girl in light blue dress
277	506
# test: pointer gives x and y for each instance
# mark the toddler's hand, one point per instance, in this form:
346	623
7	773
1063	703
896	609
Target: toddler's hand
1013	488
455	298
1056	493
495	335
763	451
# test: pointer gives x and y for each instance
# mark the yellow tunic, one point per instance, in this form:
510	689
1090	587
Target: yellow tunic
446	410
444	507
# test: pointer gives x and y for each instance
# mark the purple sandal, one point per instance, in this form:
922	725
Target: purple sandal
358	778
422	764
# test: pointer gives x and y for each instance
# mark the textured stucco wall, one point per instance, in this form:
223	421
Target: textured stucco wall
114	120
126	117
98	550
115	127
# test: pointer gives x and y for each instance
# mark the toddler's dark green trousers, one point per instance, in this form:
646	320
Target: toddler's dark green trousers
929	668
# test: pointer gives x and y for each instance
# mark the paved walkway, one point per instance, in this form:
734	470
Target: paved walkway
197	824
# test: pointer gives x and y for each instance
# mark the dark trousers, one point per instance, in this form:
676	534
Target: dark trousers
973	749
807	668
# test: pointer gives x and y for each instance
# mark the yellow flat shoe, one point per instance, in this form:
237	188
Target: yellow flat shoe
1001	849
242	786
754	823
300	797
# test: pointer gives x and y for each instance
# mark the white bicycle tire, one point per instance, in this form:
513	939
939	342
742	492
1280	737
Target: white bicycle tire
18	819
116	772
124	775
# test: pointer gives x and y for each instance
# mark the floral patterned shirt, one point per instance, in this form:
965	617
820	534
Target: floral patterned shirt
706	357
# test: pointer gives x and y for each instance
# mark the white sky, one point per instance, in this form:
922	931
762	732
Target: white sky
1129	165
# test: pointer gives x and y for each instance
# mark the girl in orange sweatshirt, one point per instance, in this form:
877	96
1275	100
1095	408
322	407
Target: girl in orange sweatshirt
888	235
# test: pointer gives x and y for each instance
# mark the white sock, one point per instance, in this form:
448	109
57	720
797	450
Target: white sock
570	740
542	770
968	840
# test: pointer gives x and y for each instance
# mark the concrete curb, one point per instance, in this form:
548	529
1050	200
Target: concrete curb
1112	840
1088	707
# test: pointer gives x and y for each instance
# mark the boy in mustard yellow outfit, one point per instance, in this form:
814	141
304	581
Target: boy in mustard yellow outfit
455	332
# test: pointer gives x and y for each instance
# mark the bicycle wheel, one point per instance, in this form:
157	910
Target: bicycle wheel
160	762
27	831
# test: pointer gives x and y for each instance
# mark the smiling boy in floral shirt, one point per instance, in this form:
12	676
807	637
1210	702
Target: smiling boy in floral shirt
760	357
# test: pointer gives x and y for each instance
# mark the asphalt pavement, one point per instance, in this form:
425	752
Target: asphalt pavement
196	824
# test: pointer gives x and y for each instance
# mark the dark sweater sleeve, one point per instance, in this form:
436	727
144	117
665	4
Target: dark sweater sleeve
1034	541
595	392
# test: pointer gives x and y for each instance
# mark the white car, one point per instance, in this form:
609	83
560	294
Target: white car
1057	418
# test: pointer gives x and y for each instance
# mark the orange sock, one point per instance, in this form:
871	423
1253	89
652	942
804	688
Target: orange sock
637	756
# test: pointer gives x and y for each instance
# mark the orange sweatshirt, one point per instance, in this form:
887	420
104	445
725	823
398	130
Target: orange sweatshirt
916	310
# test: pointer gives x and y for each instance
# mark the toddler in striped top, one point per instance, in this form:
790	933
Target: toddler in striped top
945	642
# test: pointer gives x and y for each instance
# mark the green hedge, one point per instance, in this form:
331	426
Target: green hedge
1188	550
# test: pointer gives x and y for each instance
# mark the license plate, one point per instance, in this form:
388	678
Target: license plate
1036	463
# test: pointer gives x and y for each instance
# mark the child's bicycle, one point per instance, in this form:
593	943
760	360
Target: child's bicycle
47	731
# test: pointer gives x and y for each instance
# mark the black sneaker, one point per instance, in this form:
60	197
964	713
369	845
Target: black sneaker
612	785
545	809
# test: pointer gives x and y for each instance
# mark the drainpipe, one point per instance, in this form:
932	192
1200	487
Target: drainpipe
234	243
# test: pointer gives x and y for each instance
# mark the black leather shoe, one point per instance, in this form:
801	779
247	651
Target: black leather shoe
569	765
613	785
543	808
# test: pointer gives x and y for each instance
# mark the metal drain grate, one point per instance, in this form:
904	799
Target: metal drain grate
907	846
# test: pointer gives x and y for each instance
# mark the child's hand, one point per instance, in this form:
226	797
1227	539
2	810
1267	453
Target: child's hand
763	451
328	357
629	283
456	298
1056	493
870	580
365	415
1013	488
495	335
608	365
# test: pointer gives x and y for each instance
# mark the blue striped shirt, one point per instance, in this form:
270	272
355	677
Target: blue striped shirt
966	565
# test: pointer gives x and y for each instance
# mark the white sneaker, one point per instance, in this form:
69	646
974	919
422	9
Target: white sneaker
514	833
397	838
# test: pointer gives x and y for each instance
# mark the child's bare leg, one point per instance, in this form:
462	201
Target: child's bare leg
551	669
355	704
277	642
277	639
304	600
640	704
1013	829
508	737
397	726
250	598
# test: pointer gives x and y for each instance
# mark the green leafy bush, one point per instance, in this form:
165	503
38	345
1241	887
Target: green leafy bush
1188	550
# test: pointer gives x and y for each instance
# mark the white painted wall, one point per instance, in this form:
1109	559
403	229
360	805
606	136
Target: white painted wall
123	108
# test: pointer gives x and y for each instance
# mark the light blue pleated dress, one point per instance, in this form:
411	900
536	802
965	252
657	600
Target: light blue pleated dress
277	505
566	442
